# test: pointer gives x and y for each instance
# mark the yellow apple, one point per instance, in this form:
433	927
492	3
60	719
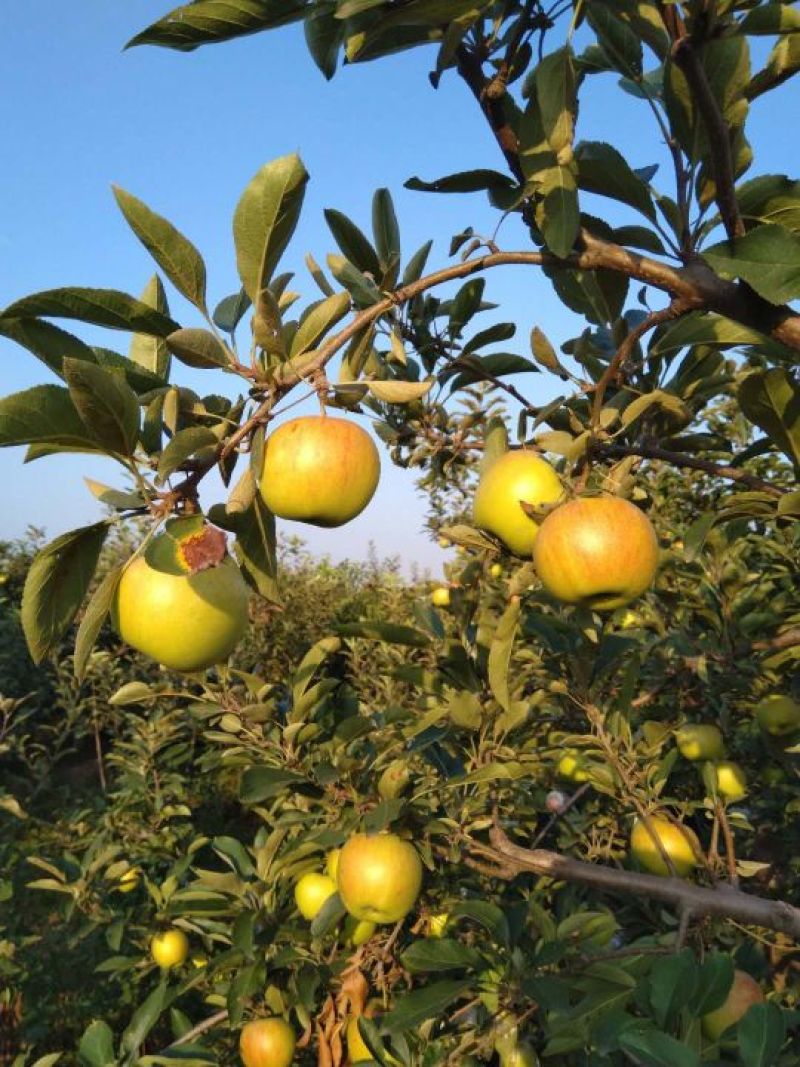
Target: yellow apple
678	841
778	715
513	477
730	780
440	597
311	892
319	469
332	863
599	551
267	1043
496	570
700	741
744	992
572	766
184	618
379	878
169	948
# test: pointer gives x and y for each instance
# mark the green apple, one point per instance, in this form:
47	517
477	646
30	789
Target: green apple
678	841
778	715
700	741
512	479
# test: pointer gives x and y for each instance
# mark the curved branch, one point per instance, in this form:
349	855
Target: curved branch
722	902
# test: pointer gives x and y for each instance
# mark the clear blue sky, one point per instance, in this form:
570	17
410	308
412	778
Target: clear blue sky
185	133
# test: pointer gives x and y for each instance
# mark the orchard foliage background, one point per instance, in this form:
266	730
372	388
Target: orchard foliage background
678	390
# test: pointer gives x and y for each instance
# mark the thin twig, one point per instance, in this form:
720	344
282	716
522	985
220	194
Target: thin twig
207	1024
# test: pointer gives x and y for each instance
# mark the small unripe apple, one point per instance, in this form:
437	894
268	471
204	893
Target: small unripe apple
311	893
169	948
573	766
700	741
678	841
598	551
440	597
379	878
267	1043
320	470
357	931
496	570
778	715
512	479
730	780
744	992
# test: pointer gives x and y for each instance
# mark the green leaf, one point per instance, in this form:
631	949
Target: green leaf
771	198
324	36
56	584
604	170
353	243
387	234
500	653
96	1046
398	392
363	289
715	973
672	986
555	89
702	328
440	954
44	415
151	353
100	307
767	258
761	1033
501	331
427	1003
229	311
771	19
782	64
212	21
657	1049
771	400
47	342
49	1060
263	783
391	633
330	914
467	181
265	219
198	348
616	38
93	618
145	1017
106	403
557	213
472	368
174	253
255	545
184	444
416	265
319	320
488	915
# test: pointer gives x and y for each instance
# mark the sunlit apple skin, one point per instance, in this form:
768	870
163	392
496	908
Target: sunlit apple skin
744	992
320	470
572	766
440	598
496	570
680	843
513	477
379	877
358	931
520	1056
311	893
597	551
267	1043
778	715
731	780
700	741
187	622
169	948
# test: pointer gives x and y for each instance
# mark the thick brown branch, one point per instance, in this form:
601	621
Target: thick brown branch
722	902
469	67
681	459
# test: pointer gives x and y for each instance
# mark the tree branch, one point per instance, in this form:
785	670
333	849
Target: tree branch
206	1024
722	902
681	459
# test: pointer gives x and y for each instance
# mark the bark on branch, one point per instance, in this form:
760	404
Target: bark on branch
722	902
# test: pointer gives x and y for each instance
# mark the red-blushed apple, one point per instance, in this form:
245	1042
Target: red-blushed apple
320	470
267	1043
598	551
744	992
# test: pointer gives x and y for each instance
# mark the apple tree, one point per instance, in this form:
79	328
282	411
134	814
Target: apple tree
590	737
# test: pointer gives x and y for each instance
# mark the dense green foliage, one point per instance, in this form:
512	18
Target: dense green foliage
514	740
